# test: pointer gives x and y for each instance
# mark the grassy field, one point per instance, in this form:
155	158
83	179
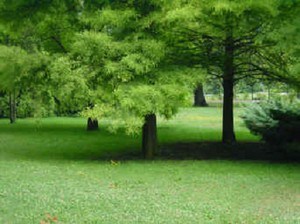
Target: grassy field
53	171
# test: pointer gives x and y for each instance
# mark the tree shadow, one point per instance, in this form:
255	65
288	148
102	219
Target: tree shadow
257	151
72	142
235	151
241	151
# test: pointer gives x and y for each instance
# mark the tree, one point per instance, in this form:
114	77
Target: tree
128	68
19	71
233	40
49	26
113	49
199	97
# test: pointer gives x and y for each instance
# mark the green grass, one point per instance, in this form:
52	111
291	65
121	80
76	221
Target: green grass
201	124
53	169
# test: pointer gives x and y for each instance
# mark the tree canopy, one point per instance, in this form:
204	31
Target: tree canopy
233	40
134	60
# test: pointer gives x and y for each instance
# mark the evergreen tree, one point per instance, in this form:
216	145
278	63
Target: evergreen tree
233	40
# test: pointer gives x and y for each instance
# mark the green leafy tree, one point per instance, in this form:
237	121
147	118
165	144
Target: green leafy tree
129	69
19	72
233	40
28	26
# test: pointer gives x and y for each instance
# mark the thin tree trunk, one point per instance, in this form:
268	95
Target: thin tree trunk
2	94
228	135
149	138
12	107
92	124
199	97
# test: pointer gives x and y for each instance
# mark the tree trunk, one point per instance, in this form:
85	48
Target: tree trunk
149	138
92	124
199	97
2	94
228	135
12	107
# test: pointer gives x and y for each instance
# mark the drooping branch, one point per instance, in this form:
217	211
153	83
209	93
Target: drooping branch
59	43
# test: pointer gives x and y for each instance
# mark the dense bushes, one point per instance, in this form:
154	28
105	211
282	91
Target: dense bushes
276	122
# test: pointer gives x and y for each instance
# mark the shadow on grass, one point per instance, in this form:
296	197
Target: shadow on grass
72	142
236	151
256	151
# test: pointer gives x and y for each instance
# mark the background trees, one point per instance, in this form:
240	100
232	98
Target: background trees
20	73
133	60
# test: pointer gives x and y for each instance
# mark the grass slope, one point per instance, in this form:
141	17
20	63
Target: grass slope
50	173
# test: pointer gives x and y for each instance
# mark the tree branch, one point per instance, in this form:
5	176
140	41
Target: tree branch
59	43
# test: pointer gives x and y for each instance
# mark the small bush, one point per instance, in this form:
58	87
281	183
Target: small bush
276	122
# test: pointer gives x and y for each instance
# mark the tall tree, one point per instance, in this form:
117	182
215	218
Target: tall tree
233	40
128	68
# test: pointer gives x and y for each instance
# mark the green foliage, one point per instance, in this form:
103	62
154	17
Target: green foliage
14	64
276	121
68	85
198	30
129	74
114	22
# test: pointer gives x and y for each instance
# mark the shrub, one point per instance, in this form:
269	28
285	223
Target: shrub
276	122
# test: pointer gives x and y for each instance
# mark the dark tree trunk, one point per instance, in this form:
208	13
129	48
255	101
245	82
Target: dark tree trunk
199	97
228	135
2	94
12	108
149	138
92	124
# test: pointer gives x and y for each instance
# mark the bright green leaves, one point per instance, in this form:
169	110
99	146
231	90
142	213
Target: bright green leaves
239	7
140	99
94	48
24	76
135	101
12	66
127	59
69	84
17	67
111	21
143	56
116	61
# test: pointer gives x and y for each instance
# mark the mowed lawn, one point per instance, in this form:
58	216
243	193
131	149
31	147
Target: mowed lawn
53	171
